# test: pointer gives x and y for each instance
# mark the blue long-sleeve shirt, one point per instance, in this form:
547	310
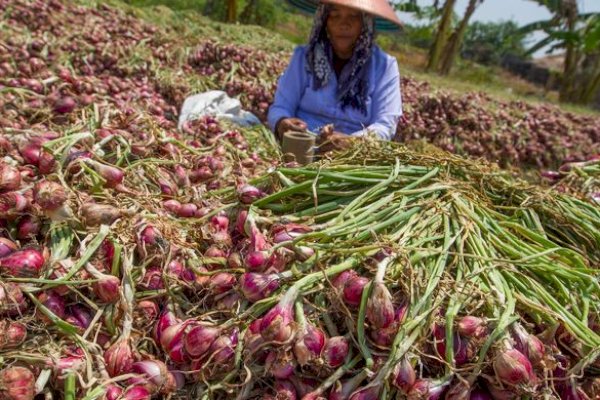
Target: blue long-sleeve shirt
295	97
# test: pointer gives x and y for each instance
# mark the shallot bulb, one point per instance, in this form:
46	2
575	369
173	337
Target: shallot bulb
100	214
367	393
310	344
335	351
404	376
119	358
17	383
257	286
530	345
470	326
24	263
64	105
353	290
10	178
136	393
199	339
276	325
7	246
427	389
154	376
12	299
12	334
49	195
380	309
248	193
513	368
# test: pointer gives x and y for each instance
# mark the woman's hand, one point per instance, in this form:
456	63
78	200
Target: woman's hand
332	140
290	124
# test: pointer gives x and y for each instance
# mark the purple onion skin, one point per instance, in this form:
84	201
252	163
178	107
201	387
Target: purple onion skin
480	394
285	390
380	309
276	324
257	286
368	393
427	389
7	247
25	263
65	105
309	344
335	351
353	290
513	368
198	340
404	376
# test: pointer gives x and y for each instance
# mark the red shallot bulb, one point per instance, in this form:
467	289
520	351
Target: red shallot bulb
7	246
285	390
380	309
353	290
154	376
367	393
12	334
113	392
248	194
17	383
119	358
64	105
276	325
12	299
199	339
427	389
335	351
10	178
26	263
49	195
404	376
107	288
513	368
310	344
256	286
137	393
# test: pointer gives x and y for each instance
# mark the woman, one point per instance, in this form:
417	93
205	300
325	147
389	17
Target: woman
341	77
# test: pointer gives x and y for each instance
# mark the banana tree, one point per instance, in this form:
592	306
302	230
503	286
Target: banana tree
448	41
578	34
442	36
455	41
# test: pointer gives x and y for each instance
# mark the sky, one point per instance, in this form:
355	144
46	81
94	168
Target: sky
520	11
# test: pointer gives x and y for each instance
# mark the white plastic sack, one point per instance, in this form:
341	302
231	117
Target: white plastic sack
217	103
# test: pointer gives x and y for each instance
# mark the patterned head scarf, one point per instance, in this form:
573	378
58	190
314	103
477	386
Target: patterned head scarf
352	83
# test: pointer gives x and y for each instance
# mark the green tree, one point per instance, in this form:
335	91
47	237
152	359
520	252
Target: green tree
260	12
579	35
488	42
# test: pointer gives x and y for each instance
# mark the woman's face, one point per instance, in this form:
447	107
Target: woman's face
344	25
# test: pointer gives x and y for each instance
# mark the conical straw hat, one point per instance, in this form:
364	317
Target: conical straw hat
386	18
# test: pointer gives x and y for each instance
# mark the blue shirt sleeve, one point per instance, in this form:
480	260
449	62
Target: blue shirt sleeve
387	104
290	88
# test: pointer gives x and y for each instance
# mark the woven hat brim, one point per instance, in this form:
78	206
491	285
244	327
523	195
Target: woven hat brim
310	6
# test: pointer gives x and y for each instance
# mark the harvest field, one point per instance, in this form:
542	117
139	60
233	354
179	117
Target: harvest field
140	261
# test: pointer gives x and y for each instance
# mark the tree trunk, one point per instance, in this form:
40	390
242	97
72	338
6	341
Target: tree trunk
249	14
231	11
455	42
590	84
442	35
572	55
